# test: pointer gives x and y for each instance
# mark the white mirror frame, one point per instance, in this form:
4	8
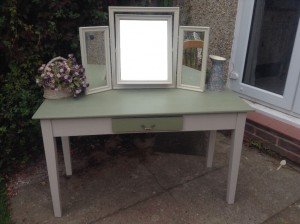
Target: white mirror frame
167	18
174	11
200	86
105	29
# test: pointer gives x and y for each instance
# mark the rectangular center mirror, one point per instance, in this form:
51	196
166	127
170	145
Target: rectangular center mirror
144	49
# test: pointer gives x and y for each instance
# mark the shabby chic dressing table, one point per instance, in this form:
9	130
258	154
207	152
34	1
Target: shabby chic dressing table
133	67
141	111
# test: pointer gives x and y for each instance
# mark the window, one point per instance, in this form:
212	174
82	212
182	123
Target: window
266	53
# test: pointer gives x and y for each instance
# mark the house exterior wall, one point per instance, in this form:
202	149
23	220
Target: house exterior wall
220	16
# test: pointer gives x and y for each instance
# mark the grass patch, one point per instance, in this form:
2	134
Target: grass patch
4	212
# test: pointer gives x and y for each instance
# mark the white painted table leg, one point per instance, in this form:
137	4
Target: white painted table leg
235	156
211	148
67	155
51	159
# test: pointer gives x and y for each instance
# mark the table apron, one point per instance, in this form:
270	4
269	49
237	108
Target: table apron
103	126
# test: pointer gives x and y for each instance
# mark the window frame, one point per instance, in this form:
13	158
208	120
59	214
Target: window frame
283	102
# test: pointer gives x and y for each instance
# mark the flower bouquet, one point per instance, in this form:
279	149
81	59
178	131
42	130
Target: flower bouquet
62	78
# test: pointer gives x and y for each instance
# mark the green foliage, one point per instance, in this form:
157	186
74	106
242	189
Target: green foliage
33	32
4	212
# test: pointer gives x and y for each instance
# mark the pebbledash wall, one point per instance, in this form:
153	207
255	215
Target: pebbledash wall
261	130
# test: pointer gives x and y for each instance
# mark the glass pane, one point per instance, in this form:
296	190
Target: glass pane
96	61
192	58
143	50
274	26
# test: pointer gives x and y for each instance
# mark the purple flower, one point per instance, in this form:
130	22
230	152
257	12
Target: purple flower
65	73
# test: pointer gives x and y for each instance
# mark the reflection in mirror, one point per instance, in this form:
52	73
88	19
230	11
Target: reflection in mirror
193	43
95	67
144	49
95	57
192	57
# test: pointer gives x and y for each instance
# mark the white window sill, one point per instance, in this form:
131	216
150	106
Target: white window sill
286	118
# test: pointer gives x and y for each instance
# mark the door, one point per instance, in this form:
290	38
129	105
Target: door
266	51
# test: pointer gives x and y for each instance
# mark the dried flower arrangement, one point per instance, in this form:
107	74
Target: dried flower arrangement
62	77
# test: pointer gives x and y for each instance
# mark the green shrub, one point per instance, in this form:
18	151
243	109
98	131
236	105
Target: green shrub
4	212
33	32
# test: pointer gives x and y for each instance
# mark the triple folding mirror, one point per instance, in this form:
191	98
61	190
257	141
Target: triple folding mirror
139	50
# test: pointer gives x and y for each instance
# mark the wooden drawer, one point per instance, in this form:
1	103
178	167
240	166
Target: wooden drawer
147	124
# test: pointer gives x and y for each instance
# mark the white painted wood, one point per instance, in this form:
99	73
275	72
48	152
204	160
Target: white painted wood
105	29
67	155
240	40
211	148
98	126
102	126
238	55
142	11
296	107
235	156
81	127
292	119
167	18
207	122
51	160
198	86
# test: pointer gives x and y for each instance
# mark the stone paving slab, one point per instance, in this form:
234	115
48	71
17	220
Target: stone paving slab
166	188
290	215
88	195
261	193
159	209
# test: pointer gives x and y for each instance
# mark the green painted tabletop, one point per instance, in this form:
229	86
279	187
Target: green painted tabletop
142	102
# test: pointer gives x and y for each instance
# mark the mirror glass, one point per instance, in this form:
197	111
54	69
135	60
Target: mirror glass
96	69
144	49
192	57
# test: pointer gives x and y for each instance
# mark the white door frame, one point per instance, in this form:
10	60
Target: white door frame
238	56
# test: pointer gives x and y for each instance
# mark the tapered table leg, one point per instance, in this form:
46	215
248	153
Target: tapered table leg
211	148
67	155
235	156
51	160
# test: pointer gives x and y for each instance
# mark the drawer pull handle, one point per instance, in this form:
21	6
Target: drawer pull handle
148	128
